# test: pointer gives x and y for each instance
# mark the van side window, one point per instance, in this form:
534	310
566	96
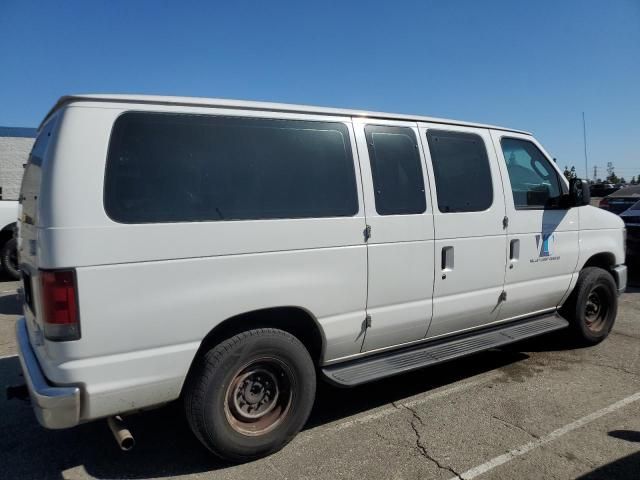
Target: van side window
189	168
461	171
534	181
396	170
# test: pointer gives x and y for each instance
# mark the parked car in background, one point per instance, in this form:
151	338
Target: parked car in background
602	189
621	200
631	218
8	251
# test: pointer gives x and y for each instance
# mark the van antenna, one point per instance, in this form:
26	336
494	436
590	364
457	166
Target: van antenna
584	134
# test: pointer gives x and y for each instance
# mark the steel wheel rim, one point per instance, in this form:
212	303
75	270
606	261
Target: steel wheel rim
259	396
596	309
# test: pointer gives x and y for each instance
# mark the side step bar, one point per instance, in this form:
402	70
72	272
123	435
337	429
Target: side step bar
362	370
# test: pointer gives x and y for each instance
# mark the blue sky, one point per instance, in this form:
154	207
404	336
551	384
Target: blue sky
533	65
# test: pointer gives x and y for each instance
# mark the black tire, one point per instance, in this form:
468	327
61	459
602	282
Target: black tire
226	382
592	306
9	259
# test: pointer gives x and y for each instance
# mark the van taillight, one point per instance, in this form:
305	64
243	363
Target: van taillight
604	203
60	305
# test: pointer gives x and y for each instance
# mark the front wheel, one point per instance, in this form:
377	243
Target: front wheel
250	395
592	307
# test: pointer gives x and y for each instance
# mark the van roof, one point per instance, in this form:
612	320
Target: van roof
253	105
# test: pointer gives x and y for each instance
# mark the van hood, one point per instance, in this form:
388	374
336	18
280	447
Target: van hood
593	218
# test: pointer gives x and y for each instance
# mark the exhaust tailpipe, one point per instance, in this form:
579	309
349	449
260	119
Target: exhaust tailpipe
121	433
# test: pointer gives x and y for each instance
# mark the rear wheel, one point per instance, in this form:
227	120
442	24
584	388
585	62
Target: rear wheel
250	395
9	258
593	305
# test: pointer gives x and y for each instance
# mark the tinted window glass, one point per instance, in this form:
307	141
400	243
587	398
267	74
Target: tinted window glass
396	170
40	145
31	179
534	181
182	168
461	170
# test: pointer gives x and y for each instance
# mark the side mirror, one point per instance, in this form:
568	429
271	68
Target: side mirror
579	193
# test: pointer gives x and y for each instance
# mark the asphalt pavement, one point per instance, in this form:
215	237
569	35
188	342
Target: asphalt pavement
538	409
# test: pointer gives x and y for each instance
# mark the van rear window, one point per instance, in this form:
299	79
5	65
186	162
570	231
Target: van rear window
188	168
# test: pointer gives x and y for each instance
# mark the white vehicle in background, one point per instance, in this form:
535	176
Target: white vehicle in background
224	253
8	250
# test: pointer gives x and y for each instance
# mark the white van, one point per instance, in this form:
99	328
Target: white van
228	253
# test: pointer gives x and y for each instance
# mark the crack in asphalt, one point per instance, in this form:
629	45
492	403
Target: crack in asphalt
420	446
510	424
275	469
388	441
627	335
612	367
577	361
570	457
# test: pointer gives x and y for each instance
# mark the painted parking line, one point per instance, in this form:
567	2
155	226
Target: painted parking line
527	447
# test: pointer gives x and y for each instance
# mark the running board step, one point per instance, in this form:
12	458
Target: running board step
362	370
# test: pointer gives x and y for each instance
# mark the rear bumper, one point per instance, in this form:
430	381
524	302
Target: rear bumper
620	274
55	407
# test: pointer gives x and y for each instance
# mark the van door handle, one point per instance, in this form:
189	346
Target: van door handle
514	252
447	259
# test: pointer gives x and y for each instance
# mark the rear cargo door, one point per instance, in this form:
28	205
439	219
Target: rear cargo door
30	192
28	221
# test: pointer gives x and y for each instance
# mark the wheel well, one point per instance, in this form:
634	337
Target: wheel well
9	228
603	260
295	320
5	236
7	233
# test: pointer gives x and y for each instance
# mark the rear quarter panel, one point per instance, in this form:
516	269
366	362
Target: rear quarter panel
148	294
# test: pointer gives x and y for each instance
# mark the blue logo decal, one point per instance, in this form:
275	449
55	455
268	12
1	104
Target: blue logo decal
544	245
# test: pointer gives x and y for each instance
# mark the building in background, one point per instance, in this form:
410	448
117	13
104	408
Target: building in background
15	145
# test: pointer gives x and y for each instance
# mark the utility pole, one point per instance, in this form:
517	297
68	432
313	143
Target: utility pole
584	134
595	173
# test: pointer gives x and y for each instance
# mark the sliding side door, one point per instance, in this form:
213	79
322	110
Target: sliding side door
400	221
470	237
